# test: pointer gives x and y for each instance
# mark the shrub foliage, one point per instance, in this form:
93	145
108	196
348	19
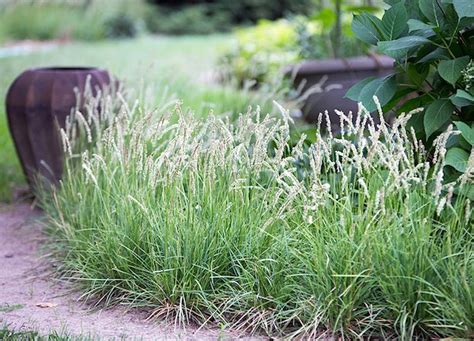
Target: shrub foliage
84	20
432	42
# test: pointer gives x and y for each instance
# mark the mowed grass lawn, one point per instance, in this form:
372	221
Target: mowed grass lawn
169	66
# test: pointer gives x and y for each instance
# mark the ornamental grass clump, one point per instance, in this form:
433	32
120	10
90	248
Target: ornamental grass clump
213	221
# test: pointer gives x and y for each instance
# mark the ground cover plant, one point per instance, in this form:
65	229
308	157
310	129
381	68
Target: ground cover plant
221	221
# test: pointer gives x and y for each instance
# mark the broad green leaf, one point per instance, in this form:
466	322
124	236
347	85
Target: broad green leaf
465	22
383	88
400	94
411	7
354	92
433	11
437	54
438	113
464	8
365	28
417	73
416	120
399	47
458	141
462	98
457	158
466	190
450	70
463	143
453	141
393	2
394	21
426	33
416	25
452	23
360	9
415	103
420	28
466	131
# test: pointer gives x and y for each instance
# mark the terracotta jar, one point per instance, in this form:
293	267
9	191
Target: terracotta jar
37	103
336	76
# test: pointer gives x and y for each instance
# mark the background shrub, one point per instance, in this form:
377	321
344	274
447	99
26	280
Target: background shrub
120	26
245	11
197	19
58	21
256	57
85	20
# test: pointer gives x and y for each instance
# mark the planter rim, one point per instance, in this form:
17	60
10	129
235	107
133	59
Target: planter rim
65	69
359	63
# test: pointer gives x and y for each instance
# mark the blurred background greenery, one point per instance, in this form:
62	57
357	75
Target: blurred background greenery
219	56
100	19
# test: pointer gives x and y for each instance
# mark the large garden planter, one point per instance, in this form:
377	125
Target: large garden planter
336	76
37	103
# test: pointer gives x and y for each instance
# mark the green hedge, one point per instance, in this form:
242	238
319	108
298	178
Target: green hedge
245	10
202	17
86	20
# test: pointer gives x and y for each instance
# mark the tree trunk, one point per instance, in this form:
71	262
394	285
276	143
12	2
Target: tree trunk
336	46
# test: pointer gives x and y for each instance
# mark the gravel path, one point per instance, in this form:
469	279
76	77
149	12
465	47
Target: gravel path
31	300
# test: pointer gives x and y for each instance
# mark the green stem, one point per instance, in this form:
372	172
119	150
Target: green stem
446	45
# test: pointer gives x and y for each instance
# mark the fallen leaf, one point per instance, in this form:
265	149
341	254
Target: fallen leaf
46	305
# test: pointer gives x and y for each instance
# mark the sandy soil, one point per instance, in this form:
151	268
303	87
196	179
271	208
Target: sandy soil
30	299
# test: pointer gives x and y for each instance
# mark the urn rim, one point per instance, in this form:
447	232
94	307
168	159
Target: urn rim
65	69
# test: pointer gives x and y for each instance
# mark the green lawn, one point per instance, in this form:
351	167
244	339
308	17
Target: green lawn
173	66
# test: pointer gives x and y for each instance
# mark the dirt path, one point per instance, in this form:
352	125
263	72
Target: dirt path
23	47
31	300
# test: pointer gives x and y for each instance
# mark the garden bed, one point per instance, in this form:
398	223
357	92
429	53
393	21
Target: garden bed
205	220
